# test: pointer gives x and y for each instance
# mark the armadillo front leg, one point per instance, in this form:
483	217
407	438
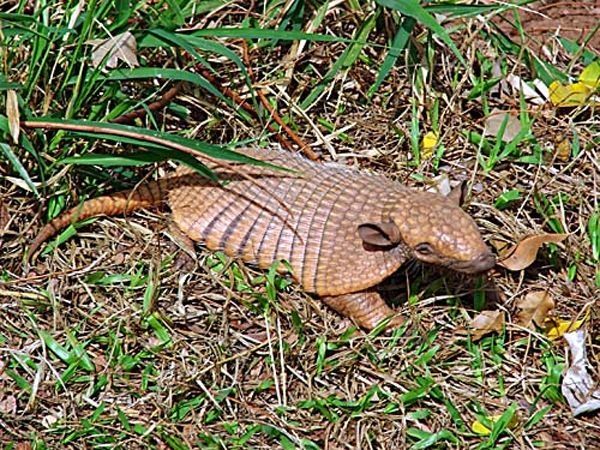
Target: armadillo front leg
366	308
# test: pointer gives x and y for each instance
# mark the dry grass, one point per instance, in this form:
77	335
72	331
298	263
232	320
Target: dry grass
116	339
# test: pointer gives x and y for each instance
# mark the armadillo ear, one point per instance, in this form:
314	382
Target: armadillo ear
383	234
458	194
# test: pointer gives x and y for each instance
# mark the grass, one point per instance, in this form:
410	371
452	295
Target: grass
116	339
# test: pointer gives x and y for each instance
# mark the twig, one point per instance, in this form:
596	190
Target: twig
304	147
154	106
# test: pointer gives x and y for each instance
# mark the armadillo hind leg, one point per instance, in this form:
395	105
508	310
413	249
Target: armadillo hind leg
366	308
181	239
185	260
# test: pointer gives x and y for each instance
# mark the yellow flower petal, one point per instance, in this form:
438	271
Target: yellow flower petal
428	144
481	429
590	76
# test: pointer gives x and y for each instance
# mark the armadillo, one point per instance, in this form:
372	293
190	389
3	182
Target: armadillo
342	230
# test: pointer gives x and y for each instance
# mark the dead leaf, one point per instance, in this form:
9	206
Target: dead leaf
441	185
122	47
486	322
495	121
590	76
499	246
580	93
563	150
556	328
576	94
534	309
523	254
577	383
4	218
531	95
12	112
49	420
23	446
8	405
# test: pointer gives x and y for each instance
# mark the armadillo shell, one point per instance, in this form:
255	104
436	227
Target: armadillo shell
308	217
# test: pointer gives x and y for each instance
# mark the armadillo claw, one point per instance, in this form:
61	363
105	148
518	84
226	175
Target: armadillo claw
397	321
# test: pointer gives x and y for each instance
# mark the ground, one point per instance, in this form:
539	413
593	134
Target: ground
119	338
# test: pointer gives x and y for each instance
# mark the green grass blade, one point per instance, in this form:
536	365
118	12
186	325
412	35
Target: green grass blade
398	45
128	159
266	33
18	166
162	73
412	8
459	10
346	60
180	148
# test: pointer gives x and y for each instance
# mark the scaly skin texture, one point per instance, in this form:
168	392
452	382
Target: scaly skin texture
341	230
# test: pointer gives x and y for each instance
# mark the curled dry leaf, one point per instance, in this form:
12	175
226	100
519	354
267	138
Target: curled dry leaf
534	309
13	115
519	86
122	47
496	120
523	254
578	386
563	150
486	322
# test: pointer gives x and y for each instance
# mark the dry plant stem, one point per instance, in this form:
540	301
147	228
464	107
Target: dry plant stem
247	107
154	106
123	133
304	147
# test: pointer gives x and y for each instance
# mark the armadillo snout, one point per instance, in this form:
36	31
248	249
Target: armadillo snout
481	263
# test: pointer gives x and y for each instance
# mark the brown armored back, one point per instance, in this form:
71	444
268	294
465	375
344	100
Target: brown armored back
308	217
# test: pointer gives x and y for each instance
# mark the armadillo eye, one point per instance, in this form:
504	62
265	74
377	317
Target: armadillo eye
424	249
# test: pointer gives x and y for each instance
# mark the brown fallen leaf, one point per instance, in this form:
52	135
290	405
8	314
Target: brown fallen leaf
495	121
23	446
4	217
534	309
563	150
523	254
486	322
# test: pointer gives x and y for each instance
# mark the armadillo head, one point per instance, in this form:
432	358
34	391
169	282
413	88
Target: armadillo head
436	230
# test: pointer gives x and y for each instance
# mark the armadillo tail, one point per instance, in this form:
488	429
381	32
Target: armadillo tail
144	196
